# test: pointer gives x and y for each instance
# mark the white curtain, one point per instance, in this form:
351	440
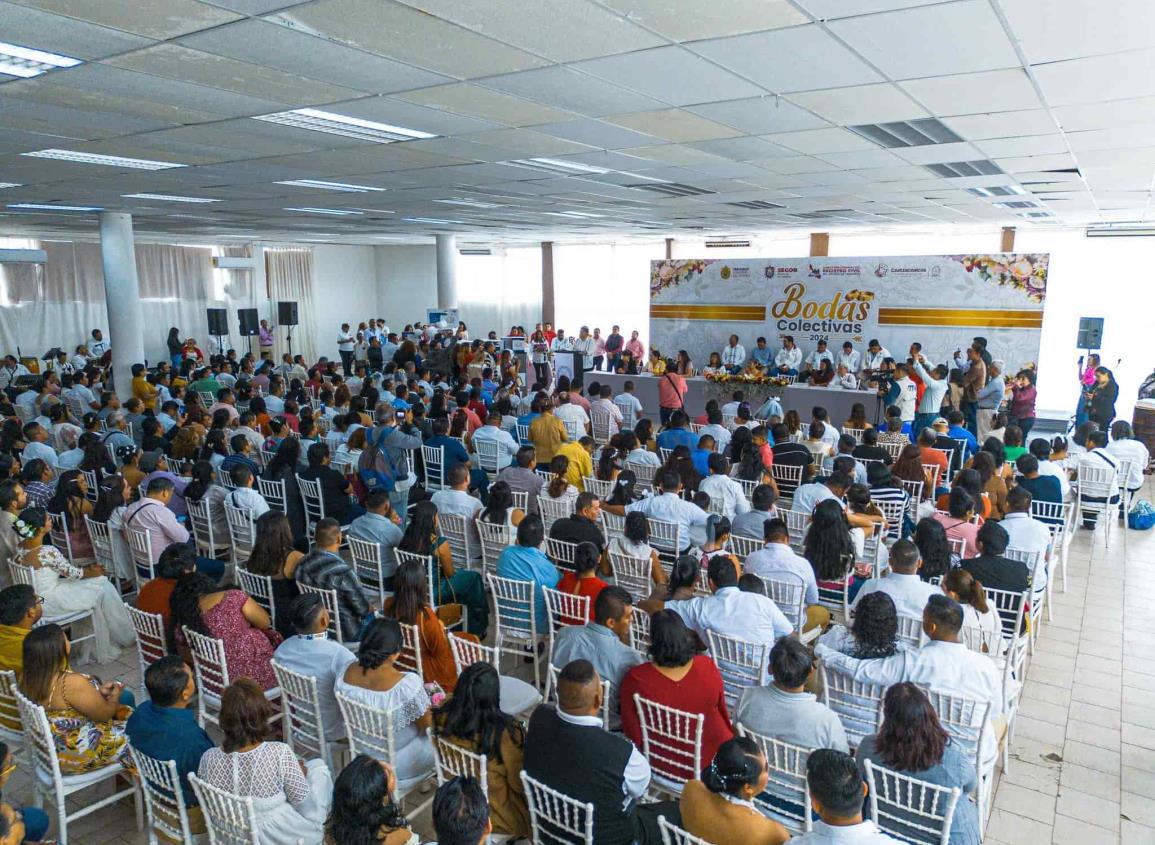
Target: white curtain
290	274
497	291
603	285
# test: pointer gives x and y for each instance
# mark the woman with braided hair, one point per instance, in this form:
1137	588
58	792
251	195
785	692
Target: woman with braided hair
720	807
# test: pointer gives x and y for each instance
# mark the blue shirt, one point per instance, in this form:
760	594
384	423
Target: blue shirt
525	563
957	432
701	458
674	437
454	452
762	356
170	733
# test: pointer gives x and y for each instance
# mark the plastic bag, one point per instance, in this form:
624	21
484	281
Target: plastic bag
1142	516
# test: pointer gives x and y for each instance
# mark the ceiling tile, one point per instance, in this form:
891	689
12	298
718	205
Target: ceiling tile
526	143
685	20
975	127
759	115
255	7
939	153
1080	29
670	74
674	125
1033	164
561	30
391	29
1116	77
819	141
160	19
176	62
804	58
1087	116
1029	146
595	133
470	99
935	40
677	154
743	149
863	159
50	119
261	42
834	9
565	88
1138	135
43	31
880	103
993	90
42	91
412	116
798	164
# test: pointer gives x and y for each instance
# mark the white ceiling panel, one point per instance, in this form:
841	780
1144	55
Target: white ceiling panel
397	31
50	119
526	143
938	153
297	53
43	31
470	99
1077	29
1110	139
686	20
960	37
880	103
674	125
43	91
1116	77
759	115
160	19
561	30
565	88
798	164
1034	164
819	141
803	58
863	159
1087	116
672	75
674	154
1033	145
975	127
596	133
411	116
743	149
993	90
255	7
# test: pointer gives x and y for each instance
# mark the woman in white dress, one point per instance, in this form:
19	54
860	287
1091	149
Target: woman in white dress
69	589
364	812
291	798
635	543
374	681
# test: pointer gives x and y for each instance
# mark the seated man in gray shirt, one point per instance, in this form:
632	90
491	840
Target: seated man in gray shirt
751	523
522	477
784	710
604	643
380	525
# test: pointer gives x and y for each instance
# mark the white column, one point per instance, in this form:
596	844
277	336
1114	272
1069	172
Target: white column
446	271
122	296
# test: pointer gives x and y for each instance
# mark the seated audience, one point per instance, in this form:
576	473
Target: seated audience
959	521
20	610
274	555
325	569
461	813
720	806
335	486
901	583
155	596
635	542
991	567
364	811
777	560
525	561
583	579
838	793
872	633
455	584
381	525
978	614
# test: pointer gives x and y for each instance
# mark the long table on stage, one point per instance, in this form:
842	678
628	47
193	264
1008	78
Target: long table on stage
795	397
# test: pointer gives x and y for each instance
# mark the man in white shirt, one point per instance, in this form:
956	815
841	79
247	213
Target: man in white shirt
1125	447
777	561
845	378
733	355
830	434
935	386
720	487
97	345
837	792
492	432
11	371
807	496
583	345
715	429
246	428
635	454
849	357
456	500
729	611
275	400
568	412
81	392
561	343
26	399
627	397
603	404
669	506
346	343
1040	447
821	353
789	358
1025	533
731	407
902	583
244	497
313	654
36	438
1098	458
944	664
876	353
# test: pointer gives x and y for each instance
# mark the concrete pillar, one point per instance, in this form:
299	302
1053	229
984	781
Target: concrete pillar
446	271
669	248
1007	242
547	297
819	244
122	295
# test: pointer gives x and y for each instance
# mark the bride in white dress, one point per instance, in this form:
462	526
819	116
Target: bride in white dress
68	589
291	798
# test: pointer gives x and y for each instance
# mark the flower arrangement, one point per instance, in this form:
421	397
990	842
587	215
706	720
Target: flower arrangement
747	378
1027	273
664	274
436	694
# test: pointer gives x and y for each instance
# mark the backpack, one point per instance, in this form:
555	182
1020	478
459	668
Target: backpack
375	468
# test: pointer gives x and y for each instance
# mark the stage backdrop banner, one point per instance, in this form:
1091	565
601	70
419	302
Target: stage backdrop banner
942	301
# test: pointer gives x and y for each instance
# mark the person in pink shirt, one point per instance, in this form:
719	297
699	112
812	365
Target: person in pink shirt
635	348
671	392
599	349
1086	385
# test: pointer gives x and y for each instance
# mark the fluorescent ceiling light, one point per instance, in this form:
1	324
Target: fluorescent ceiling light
555	165
329	186
109	161
470	203
339	212
572	214
25	62
432	220
168	198
9	185
339	124
30	206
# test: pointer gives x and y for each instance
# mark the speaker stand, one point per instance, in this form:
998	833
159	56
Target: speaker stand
289	340
220	338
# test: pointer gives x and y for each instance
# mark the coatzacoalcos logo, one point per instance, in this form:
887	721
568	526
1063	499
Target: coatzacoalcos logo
725	272
842	314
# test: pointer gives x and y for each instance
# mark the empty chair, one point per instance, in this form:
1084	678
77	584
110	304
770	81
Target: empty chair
305	729
674	835
517	696
742	664
856	703
672	742
150	638
513	604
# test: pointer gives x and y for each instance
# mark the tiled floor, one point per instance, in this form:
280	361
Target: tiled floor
1083	766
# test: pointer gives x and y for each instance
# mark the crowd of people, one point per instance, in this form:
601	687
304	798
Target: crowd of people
418	440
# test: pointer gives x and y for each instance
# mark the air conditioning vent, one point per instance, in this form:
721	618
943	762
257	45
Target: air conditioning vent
1015	204
1037	214
906	133
472	251
965	168
670	189
824	214
997	191
757	205
724	244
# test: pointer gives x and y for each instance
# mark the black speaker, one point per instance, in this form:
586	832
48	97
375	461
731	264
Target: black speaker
218	322
247	317
287	313
1090	333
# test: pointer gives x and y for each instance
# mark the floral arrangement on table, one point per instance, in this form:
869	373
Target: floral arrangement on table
666	273
747	377
1027	273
